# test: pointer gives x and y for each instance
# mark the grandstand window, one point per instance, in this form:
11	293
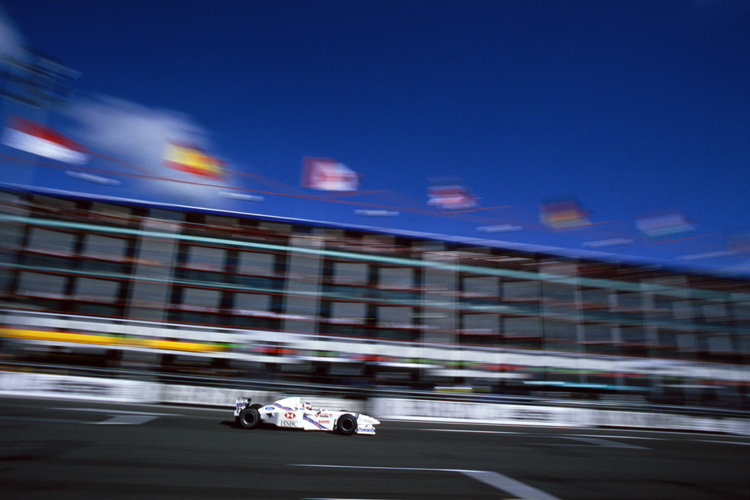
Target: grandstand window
47	261
207	258
560	335
394	316
348	312
522	327
149	294
719	344
98	246
97	290
595	298
686	344
480	329
597	332
345	272
630	301
252	303
634	341
112	212
198	298
481	286
439	280
520	291
57	242
713	310
598	338
395	277
43	285
256	263
681	309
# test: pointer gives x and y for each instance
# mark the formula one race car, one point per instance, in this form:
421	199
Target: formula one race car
292	413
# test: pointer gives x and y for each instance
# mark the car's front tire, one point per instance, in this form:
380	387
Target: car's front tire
249	418
346	425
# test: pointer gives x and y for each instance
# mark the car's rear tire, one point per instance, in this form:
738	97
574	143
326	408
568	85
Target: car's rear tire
249	418
346	425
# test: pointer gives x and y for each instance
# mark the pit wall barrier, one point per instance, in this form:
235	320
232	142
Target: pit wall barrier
18	384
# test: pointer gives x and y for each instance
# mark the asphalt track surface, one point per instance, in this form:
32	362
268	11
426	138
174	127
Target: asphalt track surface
76	449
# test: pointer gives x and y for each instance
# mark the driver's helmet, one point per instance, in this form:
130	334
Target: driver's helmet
306	406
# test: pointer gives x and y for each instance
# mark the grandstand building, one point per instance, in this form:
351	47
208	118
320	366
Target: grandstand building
128	285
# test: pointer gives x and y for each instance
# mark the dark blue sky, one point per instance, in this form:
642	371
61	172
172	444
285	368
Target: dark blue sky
631	107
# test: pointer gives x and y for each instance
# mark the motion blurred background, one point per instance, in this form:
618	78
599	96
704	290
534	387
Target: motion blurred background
481	201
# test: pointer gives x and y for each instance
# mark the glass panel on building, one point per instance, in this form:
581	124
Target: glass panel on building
522	327
97	290
481	286
521	291
206	258
200	299
560	335
256	263
719	344
394	316
634	341
595	298
481	324
395	277
98	246
249	303
57	242
344	272
43	285
712	310
349	312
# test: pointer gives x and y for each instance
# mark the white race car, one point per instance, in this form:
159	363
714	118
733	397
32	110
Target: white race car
292	413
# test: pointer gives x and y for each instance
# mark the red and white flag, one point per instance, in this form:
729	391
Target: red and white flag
329	175
44	141
451	195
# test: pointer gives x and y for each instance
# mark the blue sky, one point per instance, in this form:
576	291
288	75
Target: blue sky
630	107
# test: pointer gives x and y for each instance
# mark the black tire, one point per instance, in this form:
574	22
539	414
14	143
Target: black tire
347	424
256	406
249	418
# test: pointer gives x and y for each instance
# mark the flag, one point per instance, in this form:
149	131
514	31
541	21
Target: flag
664	224
450	194
44	141
329	175
193	160
563	214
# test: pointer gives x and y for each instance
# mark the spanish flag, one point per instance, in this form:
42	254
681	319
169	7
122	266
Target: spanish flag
193	160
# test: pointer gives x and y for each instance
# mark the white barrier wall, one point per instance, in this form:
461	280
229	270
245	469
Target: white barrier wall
491	413
133	391
88	388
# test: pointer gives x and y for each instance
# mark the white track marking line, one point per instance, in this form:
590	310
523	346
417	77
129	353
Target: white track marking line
742	443
605	443
509	485
42	419
472	431
617	437
127	420
490	478
123	412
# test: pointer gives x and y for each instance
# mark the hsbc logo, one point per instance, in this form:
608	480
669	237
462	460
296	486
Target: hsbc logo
289	415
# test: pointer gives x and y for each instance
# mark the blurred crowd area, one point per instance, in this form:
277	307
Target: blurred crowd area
129	290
